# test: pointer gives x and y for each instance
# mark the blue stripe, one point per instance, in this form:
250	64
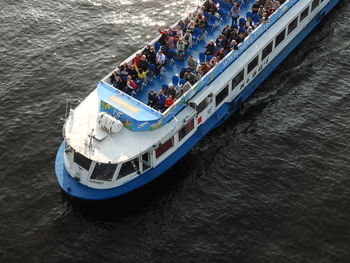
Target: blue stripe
75	189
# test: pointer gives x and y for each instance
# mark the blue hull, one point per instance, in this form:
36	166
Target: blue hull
75	189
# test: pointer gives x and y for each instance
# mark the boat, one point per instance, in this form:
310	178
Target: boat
115	142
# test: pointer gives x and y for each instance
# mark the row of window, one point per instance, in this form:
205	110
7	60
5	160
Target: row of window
273	44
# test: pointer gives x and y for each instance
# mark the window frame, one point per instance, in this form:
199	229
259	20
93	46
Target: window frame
222	91
295	20
314	4
162	145
263	56
302	15
129	161
185	130
277	43
256	62
100	180
234	82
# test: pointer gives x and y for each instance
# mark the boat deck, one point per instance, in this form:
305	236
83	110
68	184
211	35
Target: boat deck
172	69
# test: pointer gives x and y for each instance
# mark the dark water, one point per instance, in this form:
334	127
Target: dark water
270	185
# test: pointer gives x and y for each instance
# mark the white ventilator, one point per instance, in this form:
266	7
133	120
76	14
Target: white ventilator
109	123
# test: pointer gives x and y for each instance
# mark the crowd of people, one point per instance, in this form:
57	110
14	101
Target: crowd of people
176	41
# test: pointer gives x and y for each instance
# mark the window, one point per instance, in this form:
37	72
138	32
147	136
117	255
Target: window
186	129
253	64
201	106
315	3
292	25
266	51
103	172
222	95
304	14
280	37
164	147
129	168
82	161
145	161
238	79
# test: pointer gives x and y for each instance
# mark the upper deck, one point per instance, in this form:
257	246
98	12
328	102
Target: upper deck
133	110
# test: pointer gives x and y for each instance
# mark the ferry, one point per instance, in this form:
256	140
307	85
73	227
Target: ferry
115	142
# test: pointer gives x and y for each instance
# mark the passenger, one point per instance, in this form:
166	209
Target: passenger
220	41
133	72
221	54
189	76
250	30
160	61
191	26
226	31
180	48
152	98
233	45
171	91
141	74
210	48
261	10
276	5
146	50
130	85
182	25
197	77
180	92
119	83
213	62
213	9
268	4
255	7
187	39
164	35
143	64
191	63
171	42
235	10
152	56
186	86
124	70
168	102
136	59
160	101
205	68
207	5
201	21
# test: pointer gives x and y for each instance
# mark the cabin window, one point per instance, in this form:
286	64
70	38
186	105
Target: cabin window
186	129
267	50
82	161
221	95
292	25
315	3
238	79
280	37
253	64
103	172
304	14
164	147
204	103
129	168
146	161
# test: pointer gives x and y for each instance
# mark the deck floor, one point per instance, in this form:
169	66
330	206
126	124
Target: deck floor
174	69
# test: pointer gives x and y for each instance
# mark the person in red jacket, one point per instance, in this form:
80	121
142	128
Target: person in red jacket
168	102
130	85
136	60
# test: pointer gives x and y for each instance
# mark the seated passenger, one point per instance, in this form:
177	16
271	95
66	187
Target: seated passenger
136	59
205	68
171	91
213	62
186	86
189	76
220	41
160	61
123	70
201	21
143	64
168	102
164	35
221	54
213	9
226	31
119	83
180	48
191	63
133	72
276	5
191	26
180	92
171	42
146	50
255	7
141	74
152	98
210	48
130	85
187	39
152	56
232	46
160	101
